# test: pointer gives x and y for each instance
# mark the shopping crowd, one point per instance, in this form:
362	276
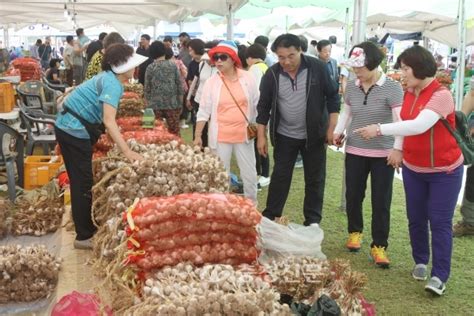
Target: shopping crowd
241	99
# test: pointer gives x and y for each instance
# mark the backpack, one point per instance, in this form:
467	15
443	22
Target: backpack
463	137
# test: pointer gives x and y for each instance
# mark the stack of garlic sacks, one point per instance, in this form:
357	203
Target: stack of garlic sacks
182	217
172	241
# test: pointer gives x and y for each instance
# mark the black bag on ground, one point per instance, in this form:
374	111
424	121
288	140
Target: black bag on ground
324	306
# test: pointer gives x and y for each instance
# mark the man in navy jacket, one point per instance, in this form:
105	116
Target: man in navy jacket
301	104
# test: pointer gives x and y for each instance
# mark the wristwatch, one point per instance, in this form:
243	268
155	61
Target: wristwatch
379	132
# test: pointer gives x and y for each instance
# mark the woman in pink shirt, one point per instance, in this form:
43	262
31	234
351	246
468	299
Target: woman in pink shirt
432	165
228	99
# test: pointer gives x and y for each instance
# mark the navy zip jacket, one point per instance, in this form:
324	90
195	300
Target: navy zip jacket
322	98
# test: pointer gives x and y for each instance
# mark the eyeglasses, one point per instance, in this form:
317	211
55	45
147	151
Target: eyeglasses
222	57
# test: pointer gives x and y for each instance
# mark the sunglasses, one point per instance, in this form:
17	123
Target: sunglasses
222	57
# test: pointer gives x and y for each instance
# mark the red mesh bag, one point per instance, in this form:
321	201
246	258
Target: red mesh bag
80	304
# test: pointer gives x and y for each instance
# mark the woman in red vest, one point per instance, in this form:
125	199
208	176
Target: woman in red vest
433	164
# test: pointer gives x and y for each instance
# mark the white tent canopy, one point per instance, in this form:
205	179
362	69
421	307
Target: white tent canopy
18	13
437	27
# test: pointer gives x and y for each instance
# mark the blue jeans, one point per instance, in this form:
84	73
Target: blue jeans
431	199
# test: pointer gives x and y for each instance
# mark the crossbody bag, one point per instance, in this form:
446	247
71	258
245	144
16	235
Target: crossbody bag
251	127
95	130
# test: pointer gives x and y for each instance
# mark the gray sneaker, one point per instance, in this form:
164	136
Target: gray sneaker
435	286
83	244
420	272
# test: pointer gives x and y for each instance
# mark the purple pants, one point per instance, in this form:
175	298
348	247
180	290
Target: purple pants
431	199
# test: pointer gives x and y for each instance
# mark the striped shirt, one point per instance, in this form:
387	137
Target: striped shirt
372	107
292	105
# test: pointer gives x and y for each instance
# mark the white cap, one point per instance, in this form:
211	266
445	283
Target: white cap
132	62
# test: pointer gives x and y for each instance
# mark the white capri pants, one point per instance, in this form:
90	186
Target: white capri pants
245	154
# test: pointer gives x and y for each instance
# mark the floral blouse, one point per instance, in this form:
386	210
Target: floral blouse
163	87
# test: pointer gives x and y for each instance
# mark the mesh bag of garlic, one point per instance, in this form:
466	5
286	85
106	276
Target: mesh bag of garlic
198	228
130	95
157	135
133	123
167	170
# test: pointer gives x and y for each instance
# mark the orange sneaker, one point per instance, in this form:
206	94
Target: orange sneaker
379	255
354	241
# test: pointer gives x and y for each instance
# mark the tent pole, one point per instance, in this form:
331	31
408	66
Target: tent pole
461	53
230	22
6	40
154	29
181	26
425	42
347	35
360	21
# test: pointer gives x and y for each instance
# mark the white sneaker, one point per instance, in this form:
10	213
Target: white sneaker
435	286
83	244
264	181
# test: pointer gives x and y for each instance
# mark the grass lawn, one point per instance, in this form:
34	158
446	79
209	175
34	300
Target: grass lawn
393	290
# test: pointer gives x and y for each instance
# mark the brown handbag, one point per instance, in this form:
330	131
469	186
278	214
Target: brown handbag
251	127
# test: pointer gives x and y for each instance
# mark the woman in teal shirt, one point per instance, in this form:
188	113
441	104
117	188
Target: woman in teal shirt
95	101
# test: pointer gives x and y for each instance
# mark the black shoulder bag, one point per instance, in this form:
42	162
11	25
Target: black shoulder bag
463	137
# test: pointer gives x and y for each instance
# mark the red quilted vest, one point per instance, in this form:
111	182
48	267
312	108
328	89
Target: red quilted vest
434	148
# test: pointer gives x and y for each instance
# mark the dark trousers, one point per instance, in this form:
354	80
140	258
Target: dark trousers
77	154
185	112
204	136
431	199
262	163
469	189
467	207
69	76
77	74
314	161
358	169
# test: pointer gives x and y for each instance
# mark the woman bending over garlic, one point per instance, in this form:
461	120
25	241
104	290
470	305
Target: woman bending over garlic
229	101
77	129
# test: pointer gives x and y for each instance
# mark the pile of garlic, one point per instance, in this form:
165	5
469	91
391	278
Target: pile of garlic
299	277
107	238
167	170
130	107
209	290
27	273
38	219
306	279
134	87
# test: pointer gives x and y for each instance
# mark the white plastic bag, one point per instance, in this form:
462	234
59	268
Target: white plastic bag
277	241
